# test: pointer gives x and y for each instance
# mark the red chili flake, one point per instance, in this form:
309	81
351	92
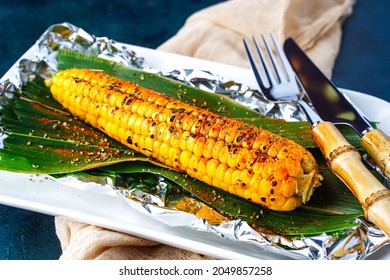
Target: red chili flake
44	120
65	152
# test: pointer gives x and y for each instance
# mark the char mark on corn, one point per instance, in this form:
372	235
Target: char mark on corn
239	158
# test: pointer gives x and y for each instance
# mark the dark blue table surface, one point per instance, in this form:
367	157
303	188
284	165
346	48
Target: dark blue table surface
362	65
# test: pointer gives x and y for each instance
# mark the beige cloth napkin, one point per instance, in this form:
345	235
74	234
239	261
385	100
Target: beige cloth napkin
216	33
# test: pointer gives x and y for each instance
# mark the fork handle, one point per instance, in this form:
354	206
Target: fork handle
345	162
377	144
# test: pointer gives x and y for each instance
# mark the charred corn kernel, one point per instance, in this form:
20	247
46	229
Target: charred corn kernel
248	161
252	157
179	121
150	110
242	158
277	201
184	139
199	146
230	134
232	157
208	147
168	134
245	177
193	162
216	150
276	189
191	142
175	140
236	177
224	153
214	131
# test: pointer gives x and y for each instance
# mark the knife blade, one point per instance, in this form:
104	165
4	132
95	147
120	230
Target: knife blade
332	105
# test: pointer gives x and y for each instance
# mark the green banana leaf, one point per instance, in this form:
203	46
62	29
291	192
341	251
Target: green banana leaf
330	210
42	137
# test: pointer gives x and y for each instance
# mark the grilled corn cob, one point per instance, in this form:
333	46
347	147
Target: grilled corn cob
242	159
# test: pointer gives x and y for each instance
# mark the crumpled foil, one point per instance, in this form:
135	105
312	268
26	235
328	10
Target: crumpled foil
360	241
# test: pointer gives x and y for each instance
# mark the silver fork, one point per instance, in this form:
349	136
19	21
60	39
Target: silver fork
280	84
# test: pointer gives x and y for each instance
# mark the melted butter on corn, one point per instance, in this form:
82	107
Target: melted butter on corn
239	158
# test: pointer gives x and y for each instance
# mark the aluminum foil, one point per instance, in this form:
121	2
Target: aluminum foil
360	241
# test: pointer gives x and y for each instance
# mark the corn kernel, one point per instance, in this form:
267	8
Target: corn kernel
289	187
193	163
199	146
161	128
220	172
228	176
277	202
184	139
265	187
208	147
211	167
137	126
185	158
191	141
164	150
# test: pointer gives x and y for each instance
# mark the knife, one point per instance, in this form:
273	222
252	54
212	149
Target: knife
343	159
332	105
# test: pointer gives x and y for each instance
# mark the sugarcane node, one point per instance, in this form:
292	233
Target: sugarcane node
374	197
384	164
339	151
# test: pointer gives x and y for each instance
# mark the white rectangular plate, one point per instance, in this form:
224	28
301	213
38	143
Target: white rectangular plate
42	194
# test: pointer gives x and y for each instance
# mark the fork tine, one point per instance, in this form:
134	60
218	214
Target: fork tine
276	67
290	74
255	68
276	78
266	67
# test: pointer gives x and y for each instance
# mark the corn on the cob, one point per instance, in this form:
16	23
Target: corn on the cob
244	160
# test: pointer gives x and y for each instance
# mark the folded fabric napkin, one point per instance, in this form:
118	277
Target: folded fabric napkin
216	33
